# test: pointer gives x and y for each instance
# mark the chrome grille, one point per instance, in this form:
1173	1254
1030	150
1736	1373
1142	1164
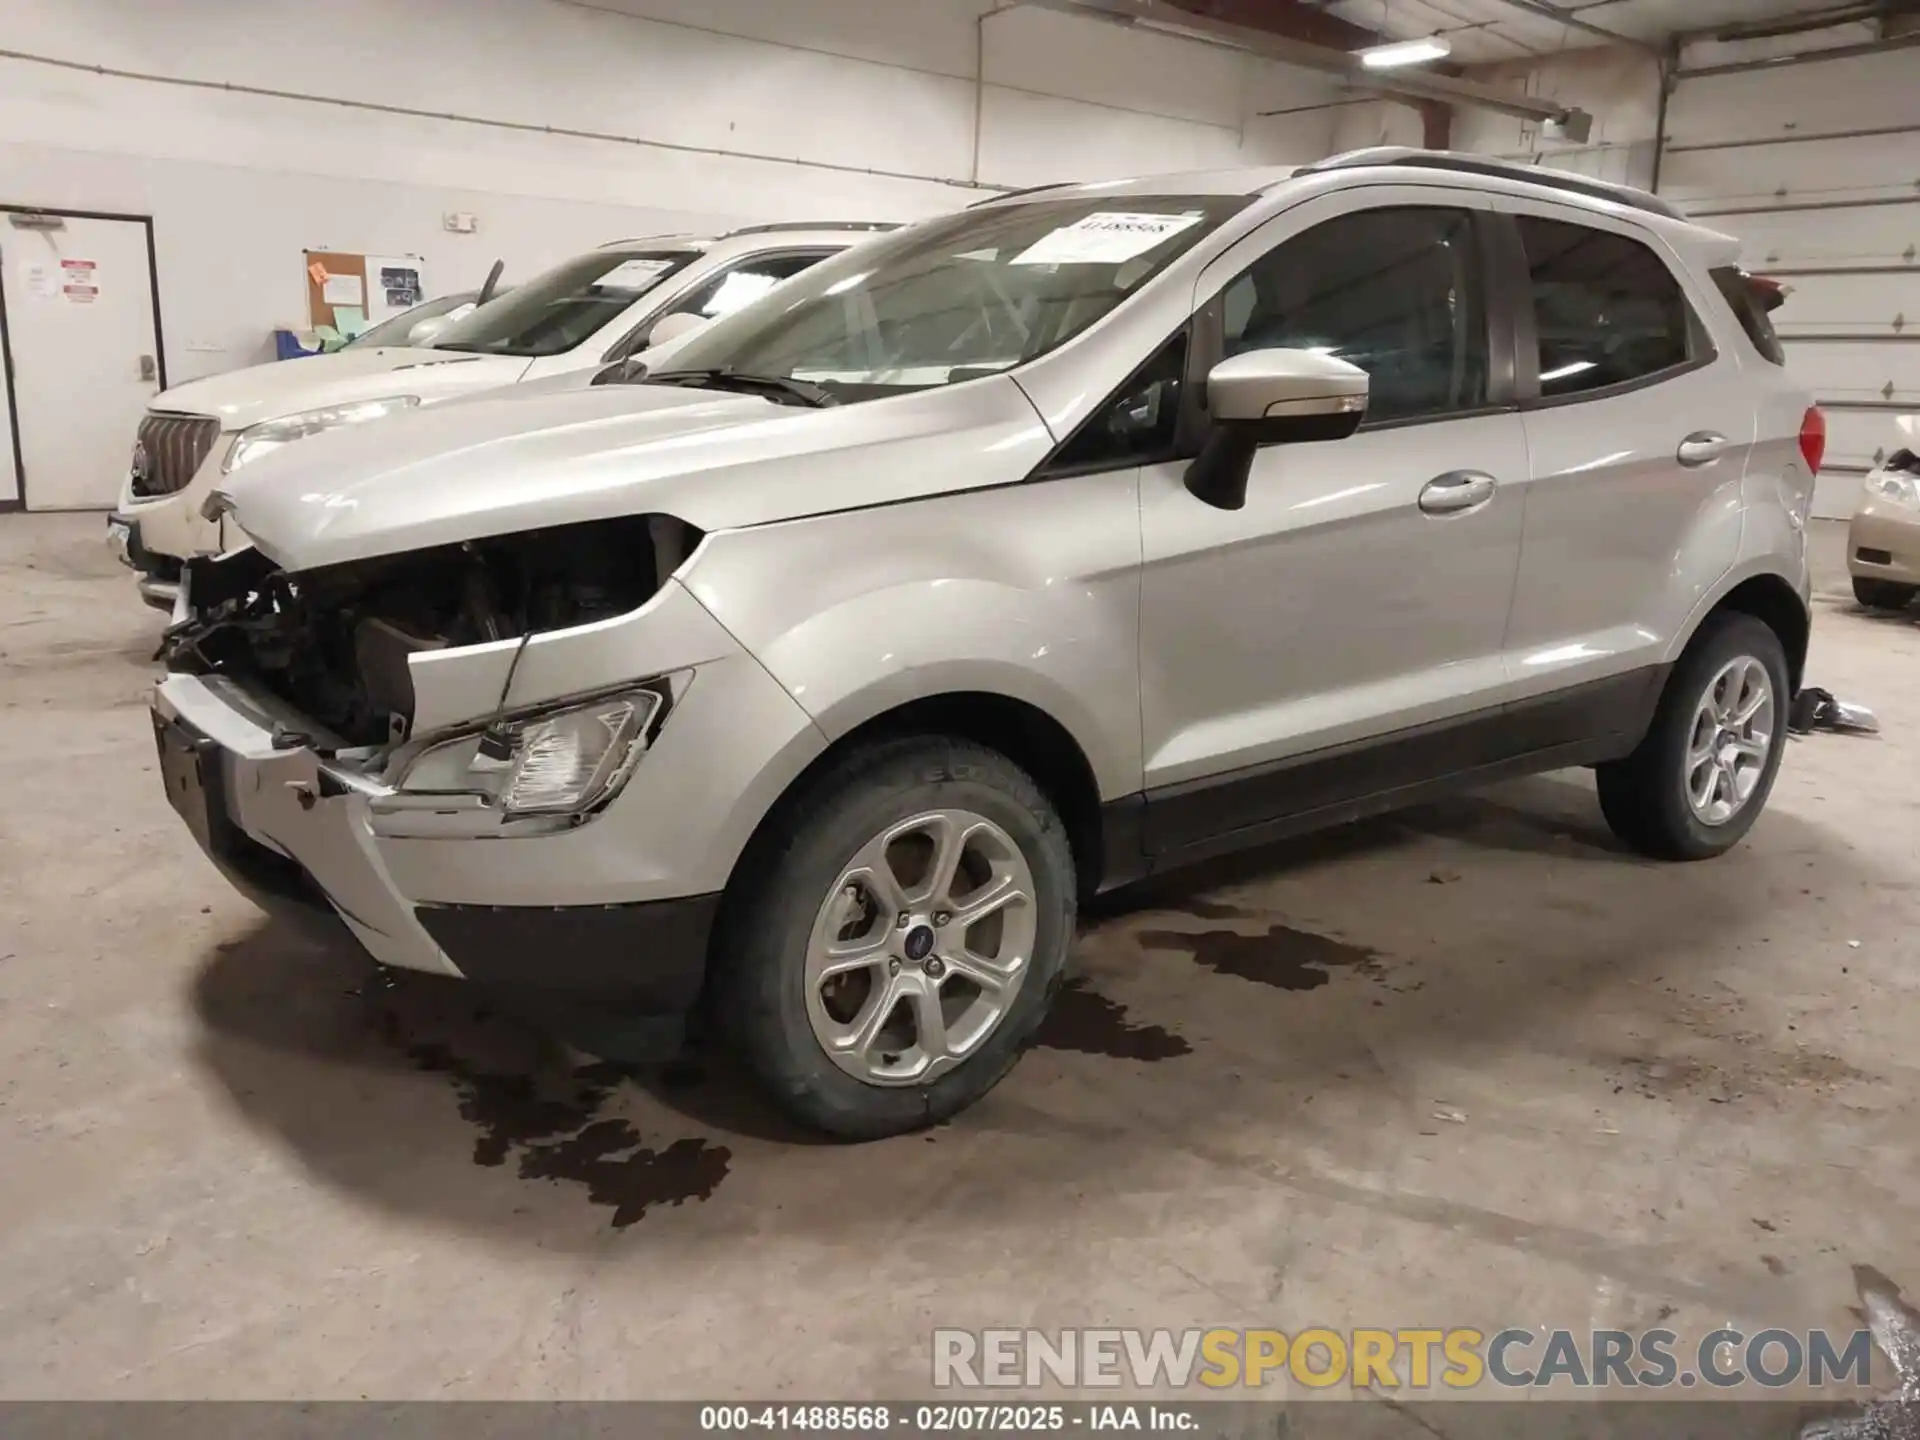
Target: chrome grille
171	448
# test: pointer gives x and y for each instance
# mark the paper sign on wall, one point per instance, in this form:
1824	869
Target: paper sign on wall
39	281
1106	237
343	290
317	273
399	287
80	281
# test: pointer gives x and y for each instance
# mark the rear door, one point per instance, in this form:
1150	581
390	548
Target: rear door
1639	424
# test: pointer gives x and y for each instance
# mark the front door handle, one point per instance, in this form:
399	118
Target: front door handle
1458	490
1703	447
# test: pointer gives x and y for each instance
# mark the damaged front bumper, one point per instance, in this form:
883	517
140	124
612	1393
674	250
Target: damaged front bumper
298	837
289	833
615	907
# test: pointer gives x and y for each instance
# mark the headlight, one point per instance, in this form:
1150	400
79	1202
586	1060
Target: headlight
561	762
257	440
1895	485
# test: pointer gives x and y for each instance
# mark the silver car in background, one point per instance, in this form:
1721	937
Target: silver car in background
815	676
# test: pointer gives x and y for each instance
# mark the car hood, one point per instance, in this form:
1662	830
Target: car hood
240	398
512	462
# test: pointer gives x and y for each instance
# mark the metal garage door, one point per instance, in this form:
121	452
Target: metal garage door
1827	199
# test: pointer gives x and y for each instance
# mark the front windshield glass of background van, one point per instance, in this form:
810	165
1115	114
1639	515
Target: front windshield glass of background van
958	298
556	311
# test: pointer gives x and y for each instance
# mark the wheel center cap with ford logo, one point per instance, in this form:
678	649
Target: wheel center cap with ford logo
919	942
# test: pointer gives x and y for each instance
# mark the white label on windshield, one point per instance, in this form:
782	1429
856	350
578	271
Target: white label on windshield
1106	237
633	274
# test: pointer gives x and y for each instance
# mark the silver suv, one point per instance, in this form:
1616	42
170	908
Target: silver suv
812	681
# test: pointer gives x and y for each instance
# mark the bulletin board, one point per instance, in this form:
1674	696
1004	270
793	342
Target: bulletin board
350	293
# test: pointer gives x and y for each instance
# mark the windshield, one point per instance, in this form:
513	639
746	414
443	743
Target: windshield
396	330
554	312
957	298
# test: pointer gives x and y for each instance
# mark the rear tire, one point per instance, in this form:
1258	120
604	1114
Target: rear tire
1695	785
1883	594
911	1023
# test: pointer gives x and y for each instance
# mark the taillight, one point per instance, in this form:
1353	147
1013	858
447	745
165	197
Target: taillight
1813	438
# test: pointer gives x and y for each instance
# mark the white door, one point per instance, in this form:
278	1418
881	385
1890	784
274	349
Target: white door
84	342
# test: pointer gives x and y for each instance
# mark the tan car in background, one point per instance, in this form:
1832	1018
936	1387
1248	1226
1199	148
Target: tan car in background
1883	544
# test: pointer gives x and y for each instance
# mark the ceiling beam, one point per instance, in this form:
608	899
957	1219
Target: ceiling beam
1412	84
1290	19
1567	17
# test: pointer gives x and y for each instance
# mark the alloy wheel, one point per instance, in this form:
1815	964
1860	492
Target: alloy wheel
1734	730
920	947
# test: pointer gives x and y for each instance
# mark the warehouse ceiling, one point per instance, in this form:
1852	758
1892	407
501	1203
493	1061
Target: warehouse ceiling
1482	31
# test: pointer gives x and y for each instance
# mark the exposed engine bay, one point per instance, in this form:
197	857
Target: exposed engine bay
334	642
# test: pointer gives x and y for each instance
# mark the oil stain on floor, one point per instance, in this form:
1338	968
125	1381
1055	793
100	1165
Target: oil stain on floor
556	1132
1083	1019
1280	956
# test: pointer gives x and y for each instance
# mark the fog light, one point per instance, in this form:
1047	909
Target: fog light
567	762
564	762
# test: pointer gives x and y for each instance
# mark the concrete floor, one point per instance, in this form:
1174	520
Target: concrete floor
1471	1065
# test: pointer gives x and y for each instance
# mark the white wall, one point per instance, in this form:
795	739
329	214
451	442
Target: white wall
694	114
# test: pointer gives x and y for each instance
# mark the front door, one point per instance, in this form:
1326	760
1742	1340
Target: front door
1342	634
82	337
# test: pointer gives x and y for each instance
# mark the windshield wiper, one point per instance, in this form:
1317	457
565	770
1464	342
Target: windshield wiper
725	377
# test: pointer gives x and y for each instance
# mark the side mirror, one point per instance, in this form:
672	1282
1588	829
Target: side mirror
676	326
429	330
1271	397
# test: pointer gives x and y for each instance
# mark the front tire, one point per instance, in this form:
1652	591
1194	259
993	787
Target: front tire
1883	594
895	935
1701	776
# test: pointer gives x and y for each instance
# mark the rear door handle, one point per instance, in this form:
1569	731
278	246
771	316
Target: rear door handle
1458	490
1703	447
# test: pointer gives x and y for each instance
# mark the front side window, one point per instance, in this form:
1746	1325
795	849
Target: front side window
1139	424
566	306
957	298
1607	308
1394	291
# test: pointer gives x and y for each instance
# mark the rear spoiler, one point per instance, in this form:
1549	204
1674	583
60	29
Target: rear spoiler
1771	293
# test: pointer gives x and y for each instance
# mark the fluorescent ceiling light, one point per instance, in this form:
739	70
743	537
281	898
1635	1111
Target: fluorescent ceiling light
1405	52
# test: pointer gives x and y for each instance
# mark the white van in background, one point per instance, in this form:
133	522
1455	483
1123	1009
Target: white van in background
594	309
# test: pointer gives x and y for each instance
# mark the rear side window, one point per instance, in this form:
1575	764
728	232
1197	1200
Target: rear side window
1608	310
1752	303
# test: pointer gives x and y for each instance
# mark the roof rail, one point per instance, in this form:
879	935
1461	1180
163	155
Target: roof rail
782	225
1022	194
1499	169
676	239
